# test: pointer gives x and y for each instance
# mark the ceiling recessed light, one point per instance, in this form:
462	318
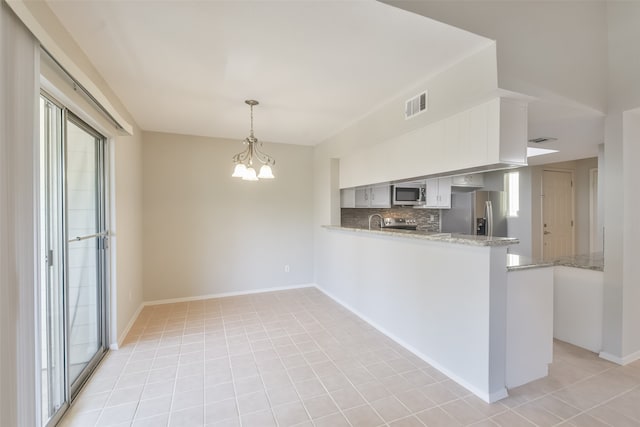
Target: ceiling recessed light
535	151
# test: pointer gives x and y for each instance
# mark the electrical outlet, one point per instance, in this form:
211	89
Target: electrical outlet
286	268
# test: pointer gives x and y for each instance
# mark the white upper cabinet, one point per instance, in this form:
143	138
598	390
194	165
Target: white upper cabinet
362	197
380	196
348	198
372	196
439	193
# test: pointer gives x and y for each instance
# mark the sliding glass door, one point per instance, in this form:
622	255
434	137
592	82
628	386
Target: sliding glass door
86	237
73	242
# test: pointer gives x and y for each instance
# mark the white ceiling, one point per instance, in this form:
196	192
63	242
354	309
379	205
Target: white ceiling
315	66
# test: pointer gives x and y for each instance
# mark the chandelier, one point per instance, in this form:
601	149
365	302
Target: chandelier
245	159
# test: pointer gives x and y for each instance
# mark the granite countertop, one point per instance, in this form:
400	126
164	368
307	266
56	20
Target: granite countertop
593	261
460	239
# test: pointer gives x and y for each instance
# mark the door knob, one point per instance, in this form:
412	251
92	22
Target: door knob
547	232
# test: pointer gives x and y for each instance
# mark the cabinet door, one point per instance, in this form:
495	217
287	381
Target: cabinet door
439	193
444	193
362	197
380	196
432	193
348	198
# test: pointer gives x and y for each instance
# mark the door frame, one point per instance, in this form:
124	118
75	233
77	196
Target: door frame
102	205
573	207
107	319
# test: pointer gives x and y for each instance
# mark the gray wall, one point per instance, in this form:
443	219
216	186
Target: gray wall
207	233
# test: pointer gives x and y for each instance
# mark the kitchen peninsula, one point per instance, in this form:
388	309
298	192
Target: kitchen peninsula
442	296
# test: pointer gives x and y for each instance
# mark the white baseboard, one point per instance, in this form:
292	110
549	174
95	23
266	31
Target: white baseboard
228	294
487	397
121	338
625	360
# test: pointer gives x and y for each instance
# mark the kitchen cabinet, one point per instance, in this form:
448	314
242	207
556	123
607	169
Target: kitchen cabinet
469	180
380	196
348	198
362	197
439	193
372	196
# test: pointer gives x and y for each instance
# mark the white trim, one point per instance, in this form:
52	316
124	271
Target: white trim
116	345
593	208
487	397
625	360
228	294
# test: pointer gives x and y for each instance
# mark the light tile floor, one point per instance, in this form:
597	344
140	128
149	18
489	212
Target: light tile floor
297	358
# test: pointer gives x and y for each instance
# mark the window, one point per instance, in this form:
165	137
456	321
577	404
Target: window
512	187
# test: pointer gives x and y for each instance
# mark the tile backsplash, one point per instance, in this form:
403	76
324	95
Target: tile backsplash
427	219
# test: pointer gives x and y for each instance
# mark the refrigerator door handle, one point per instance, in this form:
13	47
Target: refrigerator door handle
489	215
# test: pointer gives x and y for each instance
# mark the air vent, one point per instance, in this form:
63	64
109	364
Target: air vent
415	105
542	139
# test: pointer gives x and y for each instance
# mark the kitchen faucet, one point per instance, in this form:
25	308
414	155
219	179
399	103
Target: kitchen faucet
379	216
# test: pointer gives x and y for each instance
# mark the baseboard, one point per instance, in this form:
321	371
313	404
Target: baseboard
228	294
487	397
121	338
625	360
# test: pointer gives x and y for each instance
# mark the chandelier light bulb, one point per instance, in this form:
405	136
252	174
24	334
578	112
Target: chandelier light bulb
265	172
239	170
250	174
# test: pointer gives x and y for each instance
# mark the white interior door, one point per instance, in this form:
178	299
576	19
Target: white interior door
557	214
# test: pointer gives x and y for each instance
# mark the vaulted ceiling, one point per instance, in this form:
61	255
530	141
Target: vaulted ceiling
187	66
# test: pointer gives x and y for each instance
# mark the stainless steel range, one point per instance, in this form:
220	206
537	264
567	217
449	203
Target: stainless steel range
400	223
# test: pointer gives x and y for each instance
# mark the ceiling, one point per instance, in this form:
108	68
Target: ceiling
315	66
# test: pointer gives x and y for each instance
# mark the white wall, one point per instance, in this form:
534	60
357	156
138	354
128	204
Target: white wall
461	86
416	292
621	336
207	233
126	229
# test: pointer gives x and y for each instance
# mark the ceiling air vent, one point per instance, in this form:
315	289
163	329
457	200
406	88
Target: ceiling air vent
415	105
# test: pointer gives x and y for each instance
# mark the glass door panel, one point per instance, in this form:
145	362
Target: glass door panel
52	362
85	231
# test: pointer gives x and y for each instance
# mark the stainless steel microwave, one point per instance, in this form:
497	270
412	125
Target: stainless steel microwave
408	194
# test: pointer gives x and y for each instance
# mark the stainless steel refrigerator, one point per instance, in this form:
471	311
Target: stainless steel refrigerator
477	212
